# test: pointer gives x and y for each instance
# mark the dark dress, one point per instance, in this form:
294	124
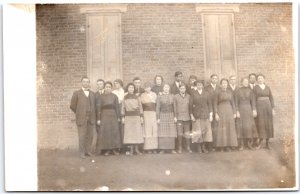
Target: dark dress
236	120
225	131
264	106
245	104
108	112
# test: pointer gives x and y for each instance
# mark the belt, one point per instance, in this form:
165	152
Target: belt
263	98
108	107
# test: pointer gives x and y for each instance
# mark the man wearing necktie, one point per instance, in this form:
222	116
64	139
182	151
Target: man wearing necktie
83	105
178	81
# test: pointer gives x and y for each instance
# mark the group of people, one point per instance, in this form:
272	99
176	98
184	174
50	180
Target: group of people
160	118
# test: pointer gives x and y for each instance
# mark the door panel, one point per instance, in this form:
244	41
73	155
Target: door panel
104	47
219	45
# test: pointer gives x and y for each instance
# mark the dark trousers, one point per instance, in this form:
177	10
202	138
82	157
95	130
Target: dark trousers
85	137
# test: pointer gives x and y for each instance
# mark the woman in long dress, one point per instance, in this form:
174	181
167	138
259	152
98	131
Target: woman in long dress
225	113
246	112
132	117
158	85
108	117
148	100
265	110
166	121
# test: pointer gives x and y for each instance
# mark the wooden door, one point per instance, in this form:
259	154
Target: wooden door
104	47
219	43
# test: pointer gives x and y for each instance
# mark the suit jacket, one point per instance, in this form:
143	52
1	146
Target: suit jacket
79	107
174	89
201	105
233	91
212	93
189	89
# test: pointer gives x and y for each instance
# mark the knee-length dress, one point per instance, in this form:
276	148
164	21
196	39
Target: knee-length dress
264	106
148	101
108	112
132	111
166	128
245	104
225	107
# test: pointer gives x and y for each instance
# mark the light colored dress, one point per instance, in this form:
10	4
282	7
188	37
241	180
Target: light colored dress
148	101
132	111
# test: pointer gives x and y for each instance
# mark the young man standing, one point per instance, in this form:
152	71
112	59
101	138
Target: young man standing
213	88
83	105
182	115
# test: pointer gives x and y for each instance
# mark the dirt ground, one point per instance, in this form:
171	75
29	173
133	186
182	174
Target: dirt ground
63	170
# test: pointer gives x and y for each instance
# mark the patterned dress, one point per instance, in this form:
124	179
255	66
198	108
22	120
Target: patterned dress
166	129
108	110
264	105
132	111
148	101
245	104
225	107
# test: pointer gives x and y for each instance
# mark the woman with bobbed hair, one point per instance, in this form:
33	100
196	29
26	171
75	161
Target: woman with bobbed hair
265	110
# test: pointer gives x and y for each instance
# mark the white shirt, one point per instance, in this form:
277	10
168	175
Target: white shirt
177	84
86	92
232	87
120	93
200	92
252	86
101	91
214	86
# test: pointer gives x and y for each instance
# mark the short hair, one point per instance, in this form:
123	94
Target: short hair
213	75
85	77
162	79
109	83
254	74
136	78
177	73
260	75
193	77
119	81
100	80
129	84
224	79
199	81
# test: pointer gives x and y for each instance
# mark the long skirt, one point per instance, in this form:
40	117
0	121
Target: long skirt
166	131
166	143
109	135
246	124
133	130
226	133
201	131
214	126
151	130
264	120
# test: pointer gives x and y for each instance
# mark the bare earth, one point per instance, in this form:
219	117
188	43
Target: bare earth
63	170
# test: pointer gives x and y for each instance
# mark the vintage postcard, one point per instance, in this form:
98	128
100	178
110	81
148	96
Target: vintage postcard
165	96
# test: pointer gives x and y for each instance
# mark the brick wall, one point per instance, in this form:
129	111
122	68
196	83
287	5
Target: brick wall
157	39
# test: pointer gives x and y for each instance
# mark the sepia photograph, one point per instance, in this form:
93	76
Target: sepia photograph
165	97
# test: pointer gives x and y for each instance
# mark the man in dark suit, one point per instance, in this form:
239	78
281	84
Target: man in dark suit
178	81
213	88
83	105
